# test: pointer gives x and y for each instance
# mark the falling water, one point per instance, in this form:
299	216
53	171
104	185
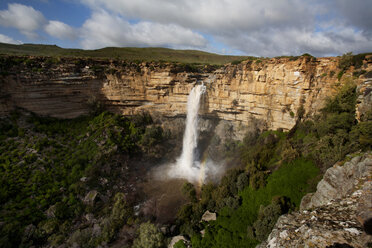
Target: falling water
186	166
190	137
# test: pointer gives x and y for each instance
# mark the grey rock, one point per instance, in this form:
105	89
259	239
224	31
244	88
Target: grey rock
335	213
338	181
90	197
96	230
50	212
175	239
208	216
89	217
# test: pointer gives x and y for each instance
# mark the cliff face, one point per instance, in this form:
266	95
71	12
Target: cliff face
271	91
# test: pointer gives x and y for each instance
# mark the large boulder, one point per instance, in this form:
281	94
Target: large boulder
338	214
338	181
208	216
175	239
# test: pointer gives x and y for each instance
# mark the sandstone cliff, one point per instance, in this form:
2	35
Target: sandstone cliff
271	90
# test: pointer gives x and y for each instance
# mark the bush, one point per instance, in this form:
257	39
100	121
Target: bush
180	244
361	135
242	181
267	217
149	237
257	180
346	61
188	190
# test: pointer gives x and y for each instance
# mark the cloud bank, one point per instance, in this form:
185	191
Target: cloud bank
252	27
105	29
261	27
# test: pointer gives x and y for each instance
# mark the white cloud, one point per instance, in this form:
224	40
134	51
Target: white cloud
9	40
211	15
260	27
104	29
253	27
25	18
60	30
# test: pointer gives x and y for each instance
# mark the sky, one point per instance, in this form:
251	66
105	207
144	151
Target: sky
264	28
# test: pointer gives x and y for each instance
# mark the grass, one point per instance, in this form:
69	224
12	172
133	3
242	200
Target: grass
126	53
230	229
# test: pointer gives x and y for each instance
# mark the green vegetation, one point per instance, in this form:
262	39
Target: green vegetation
278	169
42	163
48	167
308	57
348	59
128	53
149	237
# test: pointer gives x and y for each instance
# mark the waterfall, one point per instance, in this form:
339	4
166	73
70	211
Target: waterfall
186	166
190	137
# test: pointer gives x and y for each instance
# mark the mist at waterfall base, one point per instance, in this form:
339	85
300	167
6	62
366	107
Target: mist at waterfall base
186	166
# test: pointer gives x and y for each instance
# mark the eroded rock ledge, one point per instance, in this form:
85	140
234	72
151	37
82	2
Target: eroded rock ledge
338	213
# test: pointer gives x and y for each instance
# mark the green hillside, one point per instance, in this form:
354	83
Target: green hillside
126	53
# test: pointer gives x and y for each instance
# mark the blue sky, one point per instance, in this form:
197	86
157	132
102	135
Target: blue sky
250	27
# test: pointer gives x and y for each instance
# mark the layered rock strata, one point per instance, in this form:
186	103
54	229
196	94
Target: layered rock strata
271	90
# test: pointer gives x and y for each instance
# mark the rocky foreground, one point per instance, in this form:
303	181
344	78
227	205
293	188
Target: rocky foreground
338	214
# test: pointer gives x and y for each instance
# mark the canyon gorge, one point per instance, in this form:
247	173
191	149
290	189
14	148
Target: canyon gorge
260	118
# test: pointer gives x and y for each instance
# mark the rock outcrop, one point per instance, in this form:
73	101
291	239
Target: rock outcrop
208	216
271	90
339	214
364	101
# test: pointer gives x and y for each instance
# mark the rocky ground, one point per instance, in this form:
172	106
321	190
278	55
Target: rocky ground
338	214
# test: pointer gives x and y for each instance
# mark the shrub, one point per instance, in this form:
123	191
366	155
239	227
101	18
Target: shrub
359	73
361	135
149	237
180	244
231	202
267	217
188	190
237	62
300	112
344	101
120	211
346	61
242	181
339	75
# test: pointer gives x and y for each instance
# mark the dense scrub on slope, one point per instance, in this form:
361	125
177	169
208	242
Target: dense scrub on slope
47	166
58	175
277	169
